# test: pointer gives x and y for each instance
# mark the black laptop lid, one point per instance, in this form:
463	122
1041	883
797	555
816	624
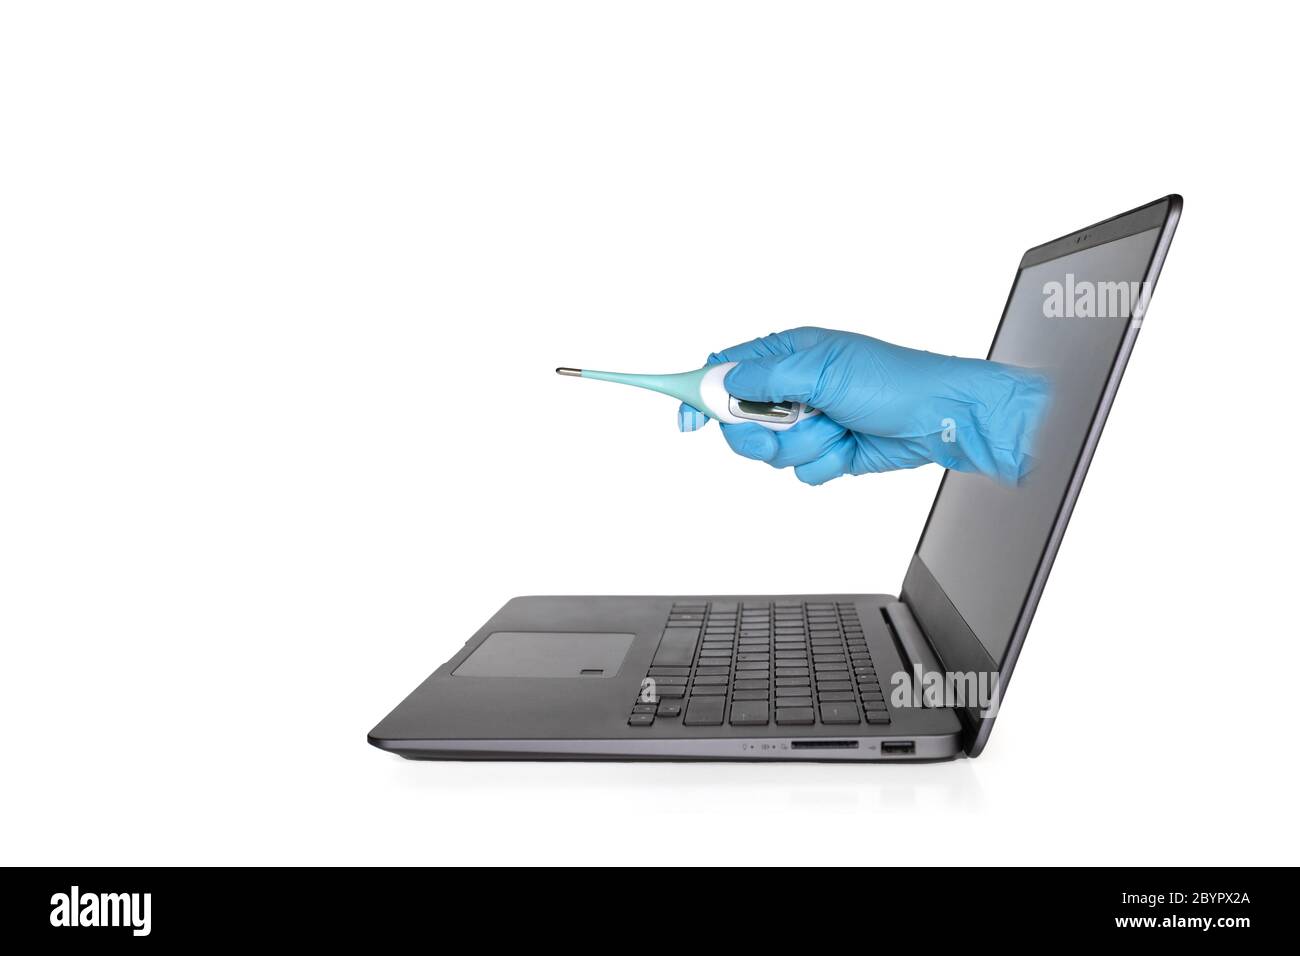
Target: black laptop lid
1074	311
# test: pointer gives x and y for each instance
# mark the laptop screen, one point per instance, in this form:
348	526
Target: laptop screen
1067	317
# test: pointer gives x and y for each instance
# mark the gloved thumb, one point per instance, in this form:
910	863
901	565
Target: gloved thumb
778	378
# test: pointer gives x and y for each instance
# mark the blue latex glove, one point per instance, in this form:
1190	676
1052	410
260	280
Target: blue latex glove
883	407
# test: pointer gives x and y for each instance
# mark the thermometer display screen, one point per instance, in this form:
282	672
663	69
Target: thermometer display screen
764	411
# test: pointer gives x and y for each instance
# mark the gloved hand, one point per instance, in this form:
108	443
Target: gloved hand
883	407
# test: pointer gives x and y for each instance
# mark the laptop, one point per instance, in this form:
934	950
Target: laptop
827	677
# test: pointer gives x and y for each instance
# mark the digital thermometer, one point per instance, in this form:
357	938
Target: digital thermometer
704	389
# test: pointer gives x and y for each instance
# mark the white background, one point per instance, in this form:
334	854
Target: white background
282	286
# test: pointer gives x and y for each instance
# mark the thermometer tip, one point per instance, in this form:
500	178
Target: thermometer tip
568	371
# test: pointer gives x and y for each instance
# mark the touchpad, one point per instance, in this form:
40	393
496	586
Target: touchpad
547	654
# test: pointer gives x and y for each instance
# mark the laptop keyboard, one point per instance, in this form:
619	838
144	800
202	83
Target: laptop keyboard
757	663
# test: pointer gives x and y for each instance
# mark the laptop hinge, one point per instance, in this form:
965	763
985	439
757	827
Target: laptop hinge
913	645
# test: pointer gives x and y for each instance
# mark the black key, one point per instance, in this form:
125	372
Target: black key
792	672
641	720
708	691
668	681
872	695
703	671
749	713
792	682
670	690
670	672
875	705
877	717
752	666
751	684
749	695
744	656
644	709
711	679
704	711
724	607
794	702
670	710
676	647
792	692
834	685
840	714
794	715
835	696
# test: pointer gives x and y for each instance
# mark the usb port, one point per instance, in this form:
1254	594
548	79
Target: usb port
898	747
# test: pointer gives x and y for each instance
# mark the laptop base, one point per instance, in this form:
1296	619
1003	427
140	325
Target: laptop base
715	677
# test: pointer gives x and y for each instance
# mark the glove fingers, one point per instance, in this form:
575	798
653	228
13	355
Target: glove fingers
861	455
837	461
806	442
751	441
873	454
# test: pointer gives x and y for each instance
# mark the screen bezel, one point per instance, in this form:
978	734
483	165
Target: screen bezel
954	643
